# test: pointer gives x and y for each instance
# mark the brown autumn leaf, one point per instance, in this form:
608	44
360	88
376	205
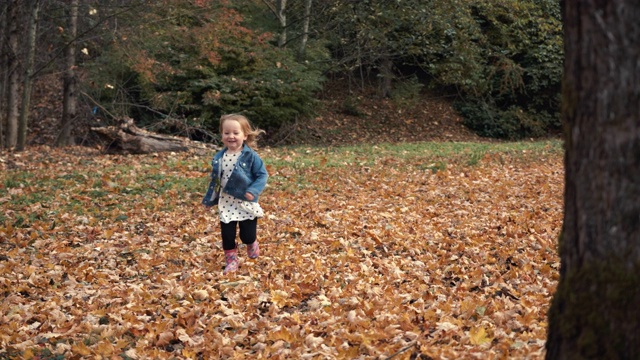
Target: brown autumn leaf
461	261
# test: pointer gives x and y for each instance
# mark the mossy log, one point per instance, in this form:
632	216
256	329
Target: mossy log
127	138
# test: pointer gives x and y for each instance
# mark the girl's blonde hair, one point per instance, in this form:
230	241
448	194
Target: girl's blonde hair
251	132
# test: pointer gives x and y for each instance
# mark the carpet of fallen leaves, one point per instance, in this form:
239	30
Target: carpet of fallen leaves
113	257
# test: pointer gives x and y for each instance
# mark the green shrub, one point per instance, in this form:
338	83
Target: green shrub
513	123
505	61
193	62
406	92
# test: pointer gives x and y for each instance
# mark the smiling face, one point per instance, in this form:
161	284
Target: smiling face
232	135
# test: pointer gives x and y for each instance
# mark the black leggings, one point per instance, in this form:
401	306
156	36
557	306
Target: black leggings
247	233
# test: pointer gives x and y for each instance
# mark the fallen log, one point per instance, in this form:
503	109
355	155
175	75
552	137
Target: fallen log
127	138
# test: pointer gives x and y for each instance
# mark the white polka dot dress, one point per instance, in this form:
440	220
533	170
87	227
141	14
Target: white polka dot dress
229	207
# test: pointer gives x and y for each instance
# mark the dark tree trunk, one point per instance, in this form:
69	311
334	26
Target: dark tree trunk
28	73
13	88
69	80
3	71
595	312
386	73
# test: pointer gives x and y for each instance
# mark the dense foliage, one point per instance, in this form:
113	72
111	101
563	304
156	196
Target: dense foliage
194	62
502	59
517	91
191	62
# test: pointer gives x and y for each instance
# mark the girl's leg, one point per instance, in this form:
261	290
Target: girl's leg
228	232
248	236
248	230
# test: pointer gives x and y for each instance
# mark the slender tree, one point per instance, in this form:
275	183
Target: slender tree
3	72
595	312
13	76
279	9
26	86
305	29
69	103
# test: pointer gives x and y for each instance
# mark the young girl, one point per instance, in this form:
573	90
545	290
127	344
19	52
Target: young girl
237	179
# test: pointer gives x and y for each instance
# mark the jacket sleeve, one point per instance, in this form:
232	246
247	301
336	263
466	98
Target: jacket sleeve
211	196
260	171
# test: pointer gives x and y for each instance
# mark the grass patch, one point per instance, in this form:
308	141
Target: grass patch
464	154
127	183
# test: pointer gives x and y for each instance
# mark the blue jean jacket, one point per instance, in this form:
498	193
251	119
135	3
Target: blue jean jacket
249	175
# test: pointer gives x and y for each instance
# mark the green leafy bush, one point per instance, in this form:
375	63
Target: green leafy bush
506	65
502	59
406	92
193	62
490	121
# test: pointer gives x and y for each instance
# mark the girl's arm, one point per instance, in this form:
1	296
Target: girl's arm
260	172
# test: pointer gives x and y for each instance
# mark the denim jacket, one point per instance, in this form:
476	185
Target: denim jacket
249	175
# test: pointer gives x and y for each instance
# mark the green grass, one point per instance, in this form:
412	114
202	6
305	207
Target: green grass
37	195
466	154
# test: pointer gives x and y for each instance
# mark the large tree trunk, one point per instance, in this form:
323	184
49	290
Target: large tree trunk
69	80
595	312
13	88
26	87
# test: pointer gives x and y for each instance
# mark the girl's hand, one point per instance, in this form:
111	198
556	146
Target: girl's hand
249	196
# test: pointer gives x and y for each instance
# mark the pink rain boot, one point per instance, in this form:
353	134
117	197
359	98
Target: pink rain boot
253	250
231	257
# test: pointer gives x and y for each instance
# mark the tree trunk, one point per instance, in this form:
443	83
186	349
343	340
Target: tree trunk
3	72
595	312
386	73
26	87
69	81
281	6
13	75
305	30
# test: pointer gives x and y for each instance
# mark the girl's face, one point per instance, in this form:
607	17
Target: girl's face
232	135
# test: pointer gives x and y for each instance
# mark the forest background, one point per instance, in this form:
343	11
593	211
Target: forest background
176	66
111	255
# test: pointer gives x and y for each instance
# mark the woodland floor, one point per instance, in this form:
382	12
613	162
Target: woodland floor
402	255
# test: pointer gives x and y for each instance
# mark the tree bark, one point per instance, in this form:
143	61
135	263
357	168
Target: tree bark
4	74
595	312
281	7
69	102
305	30
26	87
386	73
13	75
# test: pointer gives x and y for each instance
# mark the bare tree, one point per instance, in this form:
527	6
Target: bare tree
70	100
26	86
305	29
595	312
279	9
13	78
3	72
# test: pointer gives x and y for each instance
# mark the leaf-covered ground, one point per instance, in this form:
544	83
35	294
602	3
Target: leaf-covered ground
367	253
